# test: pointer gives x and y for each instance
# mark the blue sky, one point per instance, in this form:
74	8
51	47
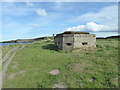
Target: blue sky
22	20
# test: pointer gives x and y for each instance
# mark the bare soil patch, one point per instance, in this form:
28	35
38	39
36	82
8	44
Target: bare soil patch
59	85
14	66
23	71
54	72
8	54
86	49
12	76
80	66
92	79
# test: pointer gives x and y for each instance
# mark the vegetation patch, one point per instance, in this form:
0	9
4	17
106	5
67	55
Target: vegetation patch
87	69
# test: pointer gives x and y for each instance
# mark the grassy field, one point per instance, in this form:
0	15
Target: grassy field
31	66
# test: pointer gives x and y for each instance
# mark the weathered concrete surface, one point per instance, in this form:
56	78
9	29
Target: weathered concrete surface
80	39
69	42
59	42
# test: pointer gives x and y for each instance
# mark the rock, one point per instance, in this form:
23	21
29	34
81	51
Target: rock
54	72
59	85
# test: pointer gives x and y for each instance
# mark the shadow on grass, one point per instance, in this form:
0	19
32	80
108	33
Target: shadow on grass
51	47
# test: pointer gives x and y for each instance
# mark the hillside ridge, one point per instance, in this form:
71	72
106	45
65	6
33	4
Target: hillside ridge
43	38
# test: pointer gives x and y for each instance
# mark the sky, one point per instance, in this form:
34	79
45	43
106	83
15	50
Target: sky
26	20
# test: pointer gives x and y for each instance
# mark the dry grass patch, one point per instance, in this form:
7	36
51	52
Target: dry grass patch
92	79
14	67
82	49
80	66
12	76
59	85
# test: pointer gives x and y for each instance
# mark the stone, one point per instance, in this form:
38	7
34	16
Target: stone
54	72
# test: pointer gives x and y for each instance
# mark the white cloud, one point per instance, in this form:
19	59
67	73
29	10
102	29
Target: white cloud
30	4
41	12
90	26
106	16
35	25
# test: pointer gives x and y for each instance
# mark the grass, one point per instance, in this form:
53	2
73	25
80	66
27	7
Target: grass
96	69
7	48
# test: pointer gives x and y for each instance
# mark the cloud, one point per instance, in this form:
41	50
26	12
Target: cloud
35	25
41	12
91	26
29	4
106	16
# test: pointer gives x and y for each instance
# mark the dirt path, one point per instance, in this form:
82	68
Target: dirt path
6	66
3	73
8	54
